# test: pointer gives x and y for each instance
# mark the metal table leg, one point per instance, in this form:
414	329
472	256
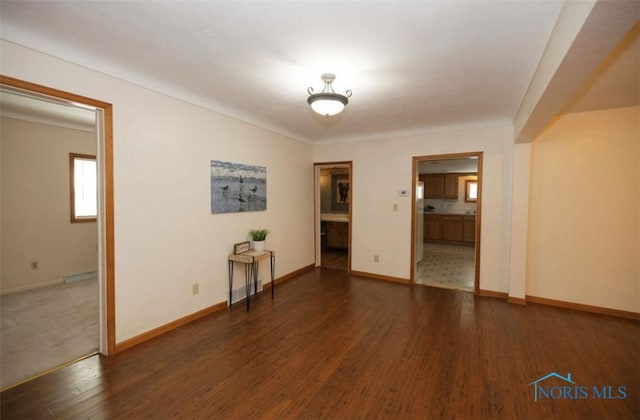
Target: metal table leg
230	280
248	274
255	276
273	268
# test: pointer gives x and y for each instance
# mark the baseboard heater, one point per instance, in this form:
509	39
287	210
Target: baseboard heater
72	278
240	292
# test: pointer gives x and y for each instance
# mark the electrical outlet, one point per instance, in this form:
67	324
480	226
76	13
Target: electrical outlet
195	288
35	265
376	258
395	206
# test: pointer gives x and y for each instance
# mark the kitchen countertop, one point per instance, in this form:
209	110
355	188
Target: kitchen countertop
451	213
334	217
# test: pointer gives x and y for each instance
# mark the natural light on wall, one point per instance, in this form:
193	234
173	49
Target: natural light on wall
84	188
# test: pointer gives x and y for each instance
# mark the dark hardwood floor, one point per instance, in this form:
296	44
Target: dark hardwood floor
335	346
336	259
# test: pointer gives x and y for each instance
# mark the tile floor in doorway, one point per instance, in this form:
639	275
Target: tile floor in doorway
449	266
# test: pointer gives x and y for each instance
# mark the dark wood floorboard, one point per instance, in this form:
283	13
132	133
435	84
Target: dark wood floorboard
335	346
336	259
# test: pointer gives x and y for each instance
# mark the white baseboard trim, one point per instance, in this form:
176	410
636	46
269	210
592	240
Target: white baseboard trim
89	275
31	287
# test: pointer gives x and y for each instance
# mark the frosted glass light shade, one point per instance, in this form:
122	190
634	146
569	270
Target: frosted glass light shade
327	106
327	102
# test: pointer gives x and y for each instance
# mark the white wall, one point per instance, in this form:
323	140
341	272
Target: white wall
166	238
382	167
584	210
35	206
519	220
325	191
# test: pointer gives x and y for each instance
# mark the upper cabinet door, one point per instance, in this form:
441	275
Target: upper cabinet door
434	186
451	186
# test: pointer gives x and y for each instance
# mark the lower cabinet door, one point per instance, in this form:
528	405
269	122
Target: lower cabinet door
452	228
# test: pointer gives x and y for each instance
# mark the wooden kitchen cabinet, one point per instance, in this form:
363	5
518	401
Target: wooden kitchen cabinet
338	235
432	227
450	188
434	186
452	228
440	185
469	229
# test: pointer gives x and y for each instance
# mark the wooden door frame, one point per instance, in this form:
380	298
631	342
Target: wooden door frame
317	210
416	162
106	162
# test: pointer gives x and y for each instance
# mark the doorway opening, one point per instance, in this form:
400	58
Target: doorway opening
333	199
446	215
85	278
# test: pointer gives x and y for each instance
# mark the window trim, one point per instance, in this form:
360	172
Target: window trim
72	158
467	191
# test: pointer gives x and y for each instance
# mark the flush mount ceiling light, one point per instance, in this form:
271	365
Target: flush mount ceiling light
328	102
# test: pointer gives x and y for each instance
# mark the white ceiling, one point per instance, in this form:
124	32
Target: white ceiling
413	66
461	165
18	106
616	81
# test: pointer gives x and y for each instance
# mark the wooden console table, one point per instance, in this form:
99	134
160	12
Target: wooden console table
251	259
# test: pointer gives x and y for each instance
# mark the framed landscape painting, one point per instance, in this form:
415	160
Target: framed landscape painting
236	187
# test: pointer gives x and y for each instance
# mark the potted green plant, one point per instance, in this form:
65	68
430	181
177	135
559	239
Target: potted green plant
258	236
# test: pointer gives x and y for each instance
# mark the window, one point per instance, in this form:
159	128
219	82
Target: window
83	183
471	191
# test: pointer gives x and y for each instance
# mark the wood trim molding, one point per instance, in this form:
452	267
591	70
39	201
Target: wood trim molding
34	87
467	191
109	221
516	300
477	245
582	307
415	176
561	304
72	188
492	294
502	295
141	338
316	190
380	277
107	161
291	275
163	329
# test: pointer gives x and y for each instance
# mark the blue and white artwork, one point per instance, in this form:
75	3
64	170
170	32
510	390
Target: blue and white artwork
236	187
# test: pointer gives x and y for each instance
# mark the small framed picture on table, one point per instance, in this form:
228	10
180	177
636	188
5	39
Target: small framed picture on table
241	247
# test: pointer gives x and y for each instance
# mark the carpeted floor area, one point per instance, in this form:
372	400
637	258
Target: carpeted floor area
449	266
47	327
